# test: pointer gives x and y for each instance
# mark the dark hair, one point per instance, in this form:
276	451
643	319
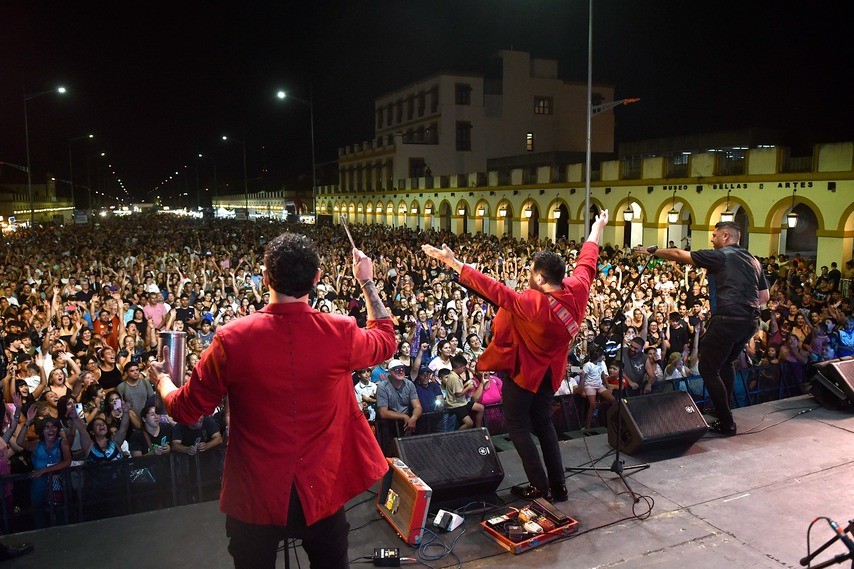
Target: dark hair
62	408
550	265
291	262
459	360
145	411
40	425
729	225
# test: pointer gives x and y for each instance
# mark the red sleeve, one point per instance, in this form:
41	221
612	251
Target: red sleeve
498	293
373	344
585	267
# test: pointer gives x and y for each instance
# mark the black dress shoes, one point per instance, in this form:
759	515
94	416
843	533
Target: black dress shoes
559	493
720	428
13	551
531	493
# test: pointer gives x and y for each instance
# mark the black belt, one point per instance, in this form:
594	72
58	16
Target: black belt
736	318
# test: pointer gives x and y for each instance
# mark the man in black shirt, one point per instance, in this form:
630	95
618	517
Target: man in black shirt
740	289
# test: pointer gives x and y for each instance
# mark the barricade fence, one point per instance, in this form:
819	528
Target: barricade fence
88	491
752	385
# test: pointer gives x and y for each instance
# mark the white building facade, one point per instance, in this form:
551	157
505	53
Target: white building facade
451	124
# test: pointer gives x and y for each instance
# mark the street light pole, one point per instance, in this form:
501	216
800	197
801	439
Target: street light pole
28	98
310	103
245	186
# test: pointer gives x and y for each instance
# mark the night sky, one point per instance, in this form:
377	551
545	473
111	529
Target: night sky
159	82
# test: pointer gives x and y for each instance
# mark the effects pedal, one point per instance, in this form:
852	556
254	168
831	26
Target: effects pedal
544	506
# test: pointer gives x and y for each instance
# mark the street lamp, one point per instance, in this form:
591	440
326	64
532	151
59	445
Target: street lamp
245	186
283	95
628	213
727	216
672	216
28	98
792	216
214	173
71	163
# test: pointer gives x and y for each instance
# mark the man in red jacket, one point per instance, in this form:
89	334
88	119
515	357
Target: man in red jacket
299	445
532	332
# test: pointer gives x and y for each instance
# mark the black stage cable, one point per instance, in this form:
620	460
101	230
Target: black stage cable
648	500
366	524
368	499
753	430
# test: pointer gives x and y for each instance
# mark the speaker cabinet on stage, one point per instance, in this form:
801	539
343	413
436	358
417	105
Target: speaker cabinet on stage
833	384
403	499
655	421
457	466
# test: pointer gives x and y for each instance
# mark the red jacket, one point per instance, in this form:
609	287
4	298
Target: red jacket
294	419
528	336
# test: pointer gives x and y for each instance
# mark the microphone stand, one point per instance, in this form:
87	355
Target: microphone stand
805	562
618	466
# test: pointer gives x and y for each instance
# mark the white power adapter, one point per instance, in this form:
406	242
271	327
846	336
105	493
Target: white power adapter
447	521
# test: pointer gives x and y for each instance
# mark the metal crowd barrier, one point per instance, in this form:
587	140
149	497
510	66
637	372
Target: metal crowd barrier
95	491
752	385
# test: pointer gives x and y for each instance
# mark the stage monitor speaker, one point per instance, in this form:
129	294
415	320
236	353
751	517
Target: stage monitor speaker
833	384
457	466
656	420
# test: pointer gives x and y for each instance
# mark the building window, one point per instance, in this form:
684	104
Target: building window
463	135
529	142
422	102
462	94
389	114
543	105
410	107
398	111
379	118
434	100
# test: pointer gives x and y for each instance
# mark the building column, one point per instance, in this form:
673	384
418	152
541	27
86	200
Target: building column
654	234
763	241
833	246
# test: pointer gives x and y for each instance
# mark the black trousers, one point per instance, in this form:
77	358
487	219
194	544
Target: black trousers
527	413
720	346
254	546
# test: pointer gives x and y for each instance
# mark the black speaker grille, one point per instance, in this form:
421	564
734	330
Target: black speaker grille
660	419
663	414
845	370
453	460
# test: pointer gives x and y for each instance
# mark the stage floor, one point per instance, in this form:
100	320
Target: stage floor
734	502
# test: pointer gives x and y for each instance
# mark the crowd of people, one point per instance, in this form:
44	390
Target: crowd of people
81	308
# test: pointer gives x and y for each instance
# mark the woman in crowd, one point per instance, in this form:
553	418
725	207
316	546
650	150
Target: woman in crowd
50	454
111	375
655	373
56	380
403	354
131	351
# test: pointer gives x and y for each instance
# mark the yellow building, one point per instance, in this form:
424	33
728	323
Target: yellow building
661	205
